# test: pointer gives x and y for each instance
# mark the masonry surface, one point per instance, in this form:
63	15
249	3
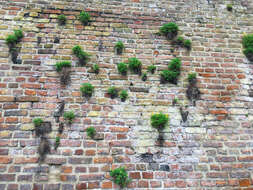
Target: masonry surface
213	149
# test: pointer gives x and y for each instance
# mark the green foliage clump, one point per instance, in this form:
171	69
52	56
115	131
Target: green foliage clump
122	68
175	101
191	77
134	65
123	95
69	116
91	131
180	40
37	122
84	17
87	89
175	65
169	30
247	42
119	46
144	76
57	140
229	7
172	73
62	19
96	68
113	92
151	69
159	121
80	54
120	177
13	39
187	44
60	65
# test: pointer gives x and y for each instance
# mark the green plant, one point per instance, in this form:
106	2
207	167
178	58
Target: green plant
96	68
62	19
19	34
175	101
80	54
247	42
113	92
151	69
180	40
57	140
87	89
11	39
169	30
120	177
60	65
69	116
91	131
169	76
123	95
119	46
159	121
122	68
229	7
37	122
134	65
144	76
84	17
175	65
192	77
187	44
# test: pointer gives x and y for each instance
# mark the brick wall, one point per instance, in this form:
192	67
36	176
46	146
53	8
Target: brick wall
211	150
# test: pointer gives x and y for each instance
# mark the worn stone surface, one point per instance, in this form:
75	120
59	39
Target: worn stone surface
211	148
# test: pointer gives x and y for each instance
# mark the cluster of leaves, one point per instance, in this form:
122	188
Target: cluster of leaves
69	116
84	18
13	39
123	95
113	92
159	121
247	42
120	177
62	19
80	54
87	89
61	64
184	43
91	131
172	73
57	142
192	77
144	76
119	46
229	7
95	68
151	69
37	122
122	68
134	65
169	30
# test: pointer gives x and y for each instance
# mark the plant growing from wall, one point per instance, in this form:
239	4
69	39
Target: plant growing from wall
87	89
84	18
119	47
91	132
144	76
57	142
192	92
183	43
122	68
95	68
188	44
113	92
69	116
64	68
151	69
171	75
159	122
247	42
175	101
169	30
82	56
62	19
37	122
134	65
41	127
123	95
12	40
229	7
120	176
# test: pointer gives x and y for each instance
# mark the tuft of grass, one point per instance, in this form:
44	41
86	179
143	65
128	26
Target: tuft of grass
151	69
96	68
80	54
113	92
119	46
69	116
169	30
87	89
191	77
123	95
187	44
122	68
159	121
84	17
91	131
229	7
37	122
120	177
62	19
134	65
61	64
144	76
